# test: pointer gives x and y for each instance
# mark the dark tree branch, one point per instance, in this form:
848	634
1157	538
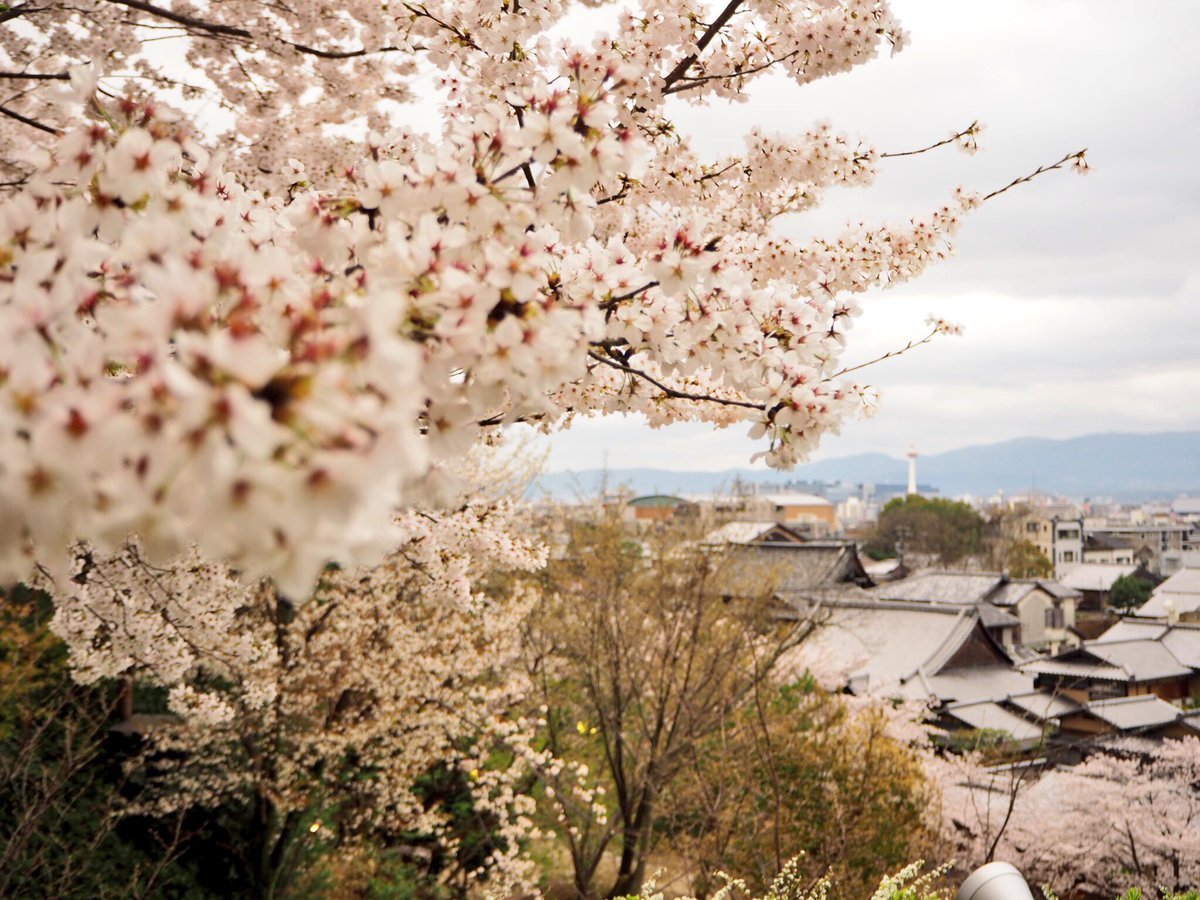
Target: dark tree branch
25	120
613	302
23	9
36	76
705	39
525	165
217	28
695	82
670	391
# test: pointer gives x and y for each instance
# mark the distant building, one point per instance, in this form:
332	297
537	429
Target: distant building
1029	612
660	508
815	515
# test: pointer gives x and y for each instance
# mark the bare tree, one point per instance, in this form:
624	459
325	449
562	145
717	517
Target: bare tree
642	646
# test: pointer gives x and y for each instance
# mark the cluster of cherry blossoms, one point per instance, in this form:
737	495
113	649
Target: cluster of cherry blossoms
1127	816
268	364
386	672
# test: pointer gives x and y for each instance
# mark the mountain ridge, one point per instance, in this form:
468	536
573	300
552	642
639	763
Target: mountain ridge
1123	465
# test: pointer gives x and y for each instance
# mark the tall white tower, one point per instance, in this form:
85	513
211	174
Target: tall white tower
912	470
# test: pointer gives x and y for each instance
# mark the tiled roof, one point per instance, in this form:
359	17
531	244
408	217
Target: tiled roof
996	618
942	587
876	646
797	567
1130	629
1075	669
1094	576
995	717
1129	713
1012	593
1057	589
1144	660
1042	705
1161	603
1181	590
967	685
738	532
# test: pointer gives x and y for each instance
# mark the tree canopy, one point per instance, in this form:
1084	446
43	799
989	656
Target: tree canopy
948	530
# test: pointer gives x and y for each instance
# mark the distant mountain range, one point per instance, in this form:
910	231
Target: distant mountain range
1123	466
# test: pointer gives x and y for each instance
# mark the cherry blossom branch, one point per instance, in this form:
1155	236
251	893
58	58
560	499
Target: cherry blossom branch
422	13
242	33
21	10
36	76
909	346
699	80
970	130
525	165
1077	159
612	302
25	120
670	391
705	39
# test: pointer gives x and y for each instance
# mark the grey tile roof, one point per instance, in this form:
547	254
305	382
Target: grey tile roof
1181	590
1182	638
942	587
1144	660
967	685
1184	643
1075	669
1132	629
796	567
1042	705
1058	589
995	717
996	618
1012	593
875	646
1095	576
1130	713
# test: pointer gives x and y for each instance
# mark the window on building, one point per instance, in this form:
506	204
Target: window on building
1068	556
1055	618
1031	527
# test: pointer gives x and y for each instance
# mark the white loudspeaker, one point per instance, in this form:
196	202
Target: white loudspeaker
995	881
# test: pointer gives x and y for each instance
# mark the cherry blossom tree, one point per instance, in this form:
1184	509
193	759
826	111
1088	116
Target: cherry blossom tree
319	718
264	342
250	323
1116	820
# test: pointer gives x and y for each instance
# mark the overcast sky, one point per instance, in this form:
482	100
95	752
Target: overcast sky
1080	294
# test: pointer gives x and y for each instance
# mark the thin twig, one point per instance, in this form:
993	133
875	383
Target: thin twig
701	79
1077	155
970	129
909	346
